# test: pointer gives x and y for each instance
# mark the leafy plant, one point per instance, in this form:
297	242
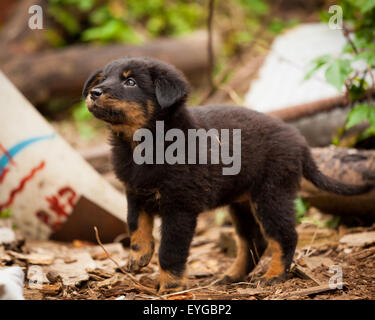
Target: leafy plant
333	223
129	21
301	208
5	213
345	71
80	112
81	115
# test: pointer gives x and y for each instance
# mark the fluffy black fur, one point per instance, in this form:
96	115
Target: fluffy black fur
274	158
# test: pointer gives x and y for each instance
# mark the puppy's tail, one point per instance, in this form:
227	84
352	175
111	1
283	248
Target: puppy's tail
323	182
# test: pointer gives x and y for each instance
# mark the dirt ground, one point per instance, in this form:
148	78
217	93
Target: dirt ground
81	270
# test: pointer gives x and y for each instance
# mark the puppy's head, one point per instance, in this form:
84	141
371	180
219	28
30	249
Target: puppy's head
131	92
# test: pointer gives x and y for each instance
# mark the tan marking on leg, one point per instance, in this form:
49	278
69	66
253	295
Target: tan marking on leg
237	271
276	267
142	242
171	283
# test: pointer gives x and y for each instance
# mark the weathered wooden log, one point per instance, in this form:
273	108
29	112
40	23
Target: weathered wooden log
61	73
350	166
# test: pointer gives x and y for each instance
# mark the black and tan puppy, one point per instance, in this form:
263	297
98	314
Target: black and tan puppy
134	93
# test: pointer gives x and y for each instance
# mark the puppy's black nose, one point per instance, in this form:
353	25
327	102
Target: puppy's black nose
95	93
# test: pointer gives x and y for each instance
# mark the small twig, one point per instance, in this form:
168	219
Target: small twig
210	50
192	289
107	253
253	258
137	284
237	60
304	273
218	140
371	76
347	36
356	51
312	240
232	94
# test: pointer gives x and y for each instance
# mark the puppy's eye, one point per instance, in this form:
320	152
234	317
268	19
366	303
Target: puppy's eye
130	82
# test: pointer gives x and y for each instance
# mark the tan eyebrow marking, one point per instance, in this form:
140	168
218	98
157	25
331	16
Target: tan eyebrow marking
126	73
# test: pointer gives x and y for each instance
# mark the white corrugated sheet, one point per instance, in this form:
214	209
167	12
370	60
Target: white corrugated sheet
281	78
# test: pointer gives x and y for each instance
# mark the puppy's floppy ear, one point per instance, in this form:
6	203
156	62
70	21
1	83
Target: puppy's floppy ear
170	87
91	82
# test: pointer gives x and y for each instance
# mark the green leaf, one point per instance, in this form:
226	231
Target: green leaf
301	207
80	112
313	70
317	64
356	115
5	213
357	89
333	223
369	56
65	18
368	5
371	115
366	134
86	5
336	141
312	220
112	30
155	25
338	72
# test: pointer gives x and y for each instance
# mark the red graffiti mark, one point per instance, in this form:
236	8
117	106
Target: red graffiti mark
59	214
45	218
14	192
5	151
3	174
56	206
73	194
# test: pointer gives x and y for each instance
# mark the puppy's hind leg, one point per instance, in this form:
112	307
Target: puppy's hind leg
275	212
251	243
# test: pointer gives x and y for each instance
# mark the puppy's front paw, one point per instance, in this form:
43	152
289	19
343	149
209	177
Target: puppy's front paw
140	256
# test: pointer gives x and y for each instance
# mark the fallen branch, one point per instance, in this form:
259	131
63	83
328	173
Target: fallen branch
310	291
304	273
62	73
311	108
